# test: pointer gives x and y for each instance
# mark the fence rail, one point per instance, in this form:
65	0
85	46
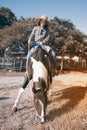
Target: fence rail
69	64
13	64
19	64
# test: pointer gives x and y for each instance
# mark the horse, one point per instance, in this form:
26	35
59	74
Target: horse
40	72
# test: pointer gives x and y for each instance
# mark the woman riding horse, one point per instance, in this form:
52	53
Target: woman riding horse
41	36
38	65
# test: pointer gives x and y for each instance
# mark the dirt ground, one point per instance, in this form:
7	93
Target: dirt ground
66	110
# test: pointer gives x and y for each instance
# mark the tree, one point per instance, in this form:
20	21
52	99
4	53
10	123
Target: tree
7	17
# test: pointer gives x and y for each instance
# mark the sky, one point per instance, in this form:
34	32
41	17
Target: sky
73	10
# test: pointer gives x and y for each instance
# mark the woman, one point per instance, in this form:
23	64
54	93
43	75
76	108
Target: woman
41	36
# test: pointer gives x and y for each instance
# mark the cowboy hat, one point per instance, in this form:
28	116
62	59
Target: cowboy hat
43	17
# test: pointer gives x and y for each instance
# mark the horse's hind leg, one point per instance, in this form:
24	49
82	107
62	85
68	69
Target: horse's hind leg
26	81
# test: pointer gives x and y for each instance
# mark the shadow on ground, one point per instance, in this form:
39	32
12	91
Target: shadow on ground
4	98
74	95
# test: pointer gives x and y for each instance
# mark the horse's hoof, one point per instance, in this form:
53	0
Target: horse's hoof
42	121
13	110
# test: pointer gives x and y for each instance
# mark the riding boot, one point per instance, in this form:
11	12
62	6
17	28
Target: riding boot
54	61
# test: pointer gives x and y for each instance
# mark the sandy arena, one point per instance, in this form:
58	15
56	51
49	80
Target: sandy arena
66	110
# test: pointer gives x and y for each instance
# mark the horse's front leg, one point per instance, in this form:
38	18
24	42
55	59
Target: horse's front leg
18	97
26	81
42	112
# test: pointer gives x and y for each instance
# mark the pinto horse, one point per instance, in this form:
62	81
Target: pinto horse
40	72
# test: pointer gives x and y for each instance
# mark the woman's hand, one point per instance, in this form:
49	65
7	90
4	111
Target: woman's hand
41	43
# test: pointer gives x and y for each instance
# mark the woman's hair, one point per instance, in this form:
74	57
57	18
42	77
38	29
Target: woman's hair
46	25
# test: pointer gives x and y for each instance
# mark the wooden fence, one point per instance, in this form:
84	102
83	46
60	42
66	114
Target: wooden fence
13	64
19	64
70	64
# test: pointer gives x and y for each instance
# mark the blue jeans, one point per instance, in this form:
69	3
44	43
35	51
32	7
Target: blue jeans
32	50
50	51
